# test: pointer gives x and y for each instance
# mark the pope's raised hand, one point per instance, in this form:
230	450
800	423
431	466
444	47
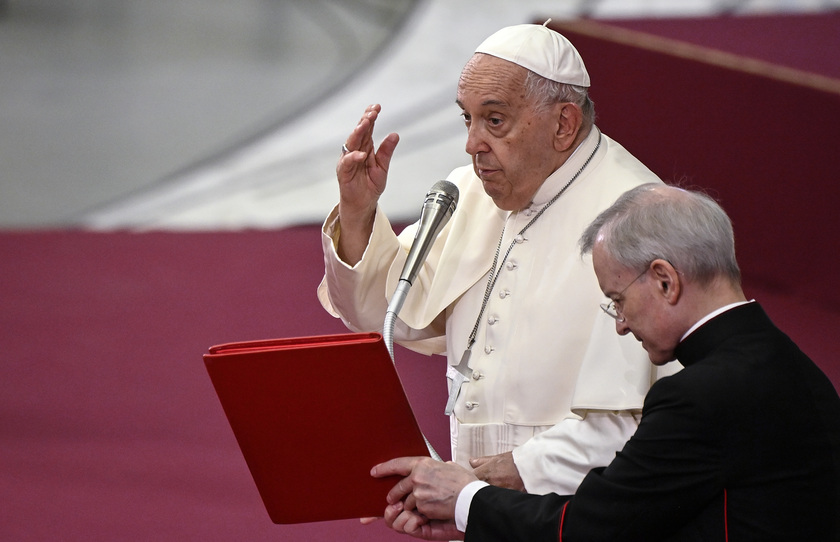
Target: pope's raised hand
362	172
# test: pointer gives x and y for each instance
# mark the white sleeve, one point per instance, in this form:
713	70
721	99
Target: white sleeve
462	505
357	294
556	460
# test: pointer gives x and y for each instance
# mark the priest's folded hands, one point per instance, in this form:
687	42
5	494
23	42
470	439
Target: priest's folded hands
422	504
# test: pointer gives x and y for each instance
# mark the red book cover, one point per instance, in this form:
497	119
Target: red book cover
312	415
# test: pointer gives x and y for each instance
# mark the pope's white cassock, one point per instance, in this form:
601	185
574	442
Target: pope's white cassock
551	379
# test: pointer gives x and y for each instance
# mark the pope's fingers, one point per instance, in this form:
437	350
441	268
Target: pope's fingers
371	110
382	158
361	138
476	462
349	165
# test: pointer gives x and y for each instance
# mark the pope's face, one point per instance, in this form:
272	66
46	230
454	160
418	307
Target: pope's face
511	144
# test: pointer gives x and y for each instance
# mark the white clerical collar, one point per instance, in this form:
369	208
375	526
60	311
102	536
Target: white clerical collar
712	315
573	163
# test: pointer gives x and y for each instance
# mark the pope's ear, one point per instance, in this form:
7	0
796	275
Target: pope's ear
569	121
667	280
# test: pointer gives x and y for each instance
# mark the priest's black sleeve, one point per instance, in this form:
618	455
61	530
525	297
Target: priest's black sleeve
505	515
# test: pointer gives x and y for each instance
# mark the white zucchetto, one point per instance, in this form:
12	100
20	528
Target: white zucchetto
539	49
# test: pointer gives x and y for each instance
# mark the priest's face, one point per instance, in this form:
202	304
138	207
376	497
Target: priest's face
511	143
641	308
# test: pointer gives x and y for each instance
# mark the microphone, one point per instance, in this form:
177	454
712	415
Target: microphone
438	207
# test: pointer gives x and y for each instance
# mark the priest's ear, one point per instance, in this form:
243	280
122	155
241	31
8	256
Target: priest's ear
569	122
667	280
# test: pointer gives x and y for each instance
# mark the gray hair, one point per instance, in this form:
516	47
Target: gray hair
686	228
546	92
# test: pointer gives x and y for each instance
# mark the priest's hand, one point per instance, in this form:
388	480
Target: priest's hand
423	502
413	523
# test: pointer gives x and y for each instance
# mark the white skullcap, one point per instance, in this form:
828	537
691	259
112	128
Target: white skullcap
539	49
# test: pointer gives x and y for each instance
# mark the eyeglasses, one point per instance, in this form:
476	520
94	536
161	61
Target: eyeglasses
612	308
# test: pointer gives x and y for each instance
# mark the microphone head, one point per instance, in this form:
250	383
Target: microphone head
444	194
437	209
447	188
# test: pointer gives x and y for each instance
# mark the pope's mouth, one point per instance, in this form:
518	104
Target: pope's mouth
488	175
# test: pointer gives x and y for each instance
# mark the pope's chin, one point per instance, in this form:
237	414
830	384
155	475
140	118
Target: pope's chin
499	193
493	190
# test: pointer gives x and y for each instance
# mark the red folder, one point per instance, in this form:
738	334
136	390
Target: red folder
312	415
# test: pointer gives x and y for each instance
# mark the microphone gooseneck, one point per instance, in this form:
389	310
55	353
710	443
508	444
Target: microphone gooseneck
438	207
